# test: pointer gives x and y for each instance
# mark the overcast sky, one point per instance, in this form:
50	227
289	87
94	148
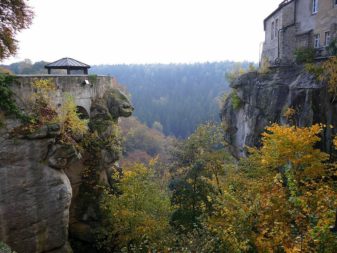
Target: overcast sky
145	31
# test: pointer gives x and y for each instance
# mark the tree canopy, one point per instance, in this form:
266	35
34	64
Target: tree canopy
15	15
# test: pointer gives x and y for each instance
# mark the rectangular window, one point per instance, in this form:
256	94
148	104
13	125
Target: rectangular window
327	39
272	30
316	41
314	6
276	28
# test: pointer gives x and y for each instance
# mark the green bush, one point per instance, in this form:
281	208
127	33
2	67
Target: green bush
92	79
305	55
236	100
7	103
332	48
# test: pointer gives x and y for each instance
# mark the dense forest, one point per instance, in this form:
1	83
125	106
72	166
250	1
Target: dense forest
179	97
280	199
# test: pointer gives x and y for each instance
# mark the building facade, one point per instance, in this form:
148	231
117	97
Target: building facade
299	24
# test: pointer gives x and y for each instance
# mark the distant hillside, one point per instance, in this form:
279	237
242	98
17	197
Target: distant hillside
178	96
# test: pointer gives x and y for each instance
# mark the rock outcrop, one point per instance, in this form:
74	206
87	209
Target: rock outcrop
264	98
34	196
41	179
102	151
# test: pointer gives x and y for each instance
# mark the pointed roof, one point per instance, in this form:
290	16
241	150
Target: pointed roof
67	62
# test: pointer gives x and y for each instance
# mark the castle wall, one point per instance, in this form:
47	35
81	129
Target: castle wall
288	45
83	88
270	46
271	49
308	24
304	20
288	39
325	20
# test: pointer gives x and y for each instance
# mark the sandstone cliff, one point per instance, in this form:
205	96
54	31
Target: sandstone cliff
41	179
34	196
262	99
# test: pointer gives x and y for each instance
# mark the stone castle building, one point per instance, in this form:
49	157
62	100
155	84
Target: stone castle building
299	24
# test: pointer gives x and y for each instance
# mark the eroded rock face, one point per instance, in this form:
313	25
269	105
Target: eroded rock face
265	97
100	162
113	105
41	180
34	197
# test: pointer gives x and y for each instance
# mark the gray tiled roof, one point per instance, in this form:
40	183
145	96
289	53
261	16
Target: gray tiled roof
67	62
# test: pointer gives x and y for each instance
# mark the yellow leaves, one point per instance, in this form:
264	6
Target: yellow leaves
284	145
298	196
43	107
329	74
44	85
70	122
141	211
153	161
237	71
326	72
289	113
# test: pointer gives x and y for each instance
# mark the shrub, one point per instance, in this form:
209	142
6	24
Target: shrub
236	100
305	55
44	110
332	48
237	71
7	103
72	126
326	72
92	79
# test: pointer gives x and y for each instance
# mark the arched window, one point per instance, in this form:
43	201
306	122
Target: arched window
82	112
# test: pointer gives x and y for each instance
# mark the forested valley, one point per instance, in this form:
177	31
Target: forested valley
178	96
215	157
192	194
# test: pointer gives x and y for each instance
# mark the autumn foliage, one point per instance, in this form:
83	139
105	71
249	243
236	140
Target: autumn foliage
282	198
15	16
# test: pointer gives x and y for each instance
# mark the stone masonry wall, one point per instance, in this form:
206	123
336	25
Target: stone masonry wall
83	88
308	24
285	16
